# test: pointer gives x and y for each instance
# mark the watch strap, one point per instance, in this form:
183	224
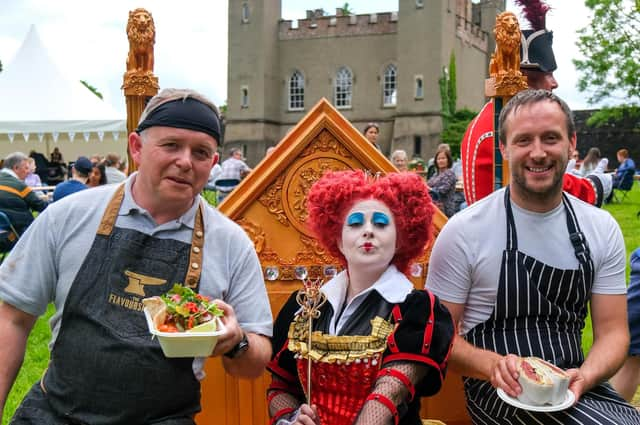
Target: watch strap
239	348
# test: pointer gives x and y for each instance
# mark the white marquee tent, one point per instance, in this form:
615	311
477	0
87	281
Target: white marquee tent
42	108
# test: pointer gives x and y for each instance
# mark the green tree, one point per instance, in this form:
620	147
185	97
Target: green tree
454	122
626	115
454	129
346	10
91	88
444	93
610	45
452	91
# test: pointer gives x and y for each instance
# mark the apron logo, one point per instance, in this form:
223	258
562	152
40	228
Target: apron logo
137	282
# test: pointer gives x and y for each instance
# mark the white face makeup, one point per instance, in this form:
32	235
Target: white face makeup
368	235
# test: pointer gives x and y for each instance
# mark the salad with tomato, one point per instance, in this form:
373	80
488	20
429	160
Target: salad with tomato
183	310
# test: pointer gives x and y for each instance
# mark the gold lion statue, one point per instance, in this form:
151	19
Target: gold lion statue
142	36
506	59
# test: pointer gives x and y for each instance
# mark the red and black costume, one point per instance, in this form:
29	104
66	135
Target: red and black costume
477	146
386	356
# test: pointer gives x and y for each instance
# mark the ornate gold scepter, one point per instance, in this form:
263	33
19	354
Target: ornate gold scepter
310	299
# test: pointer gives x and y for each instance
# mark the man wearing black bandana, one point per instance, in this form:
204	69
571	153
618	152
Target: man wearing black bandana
105	368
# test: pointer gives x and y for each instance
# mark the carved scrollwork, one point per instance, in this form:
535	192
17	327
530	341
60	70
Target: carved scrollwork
307	177
314	252
312	255
298	183
259	239
272	200
287	273
325	142
313	272
140	84
510	85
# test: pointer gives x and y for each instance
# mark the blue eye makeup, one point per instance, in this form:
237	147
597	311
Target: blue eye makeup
380	218
355	219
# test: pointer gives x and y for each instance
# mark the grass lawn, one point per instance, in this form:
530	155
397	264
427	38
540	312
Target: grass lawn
35	361
37	354
626	214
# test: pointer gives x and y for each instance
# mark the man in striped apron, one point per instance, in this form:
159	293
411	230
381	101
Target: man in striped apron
558	255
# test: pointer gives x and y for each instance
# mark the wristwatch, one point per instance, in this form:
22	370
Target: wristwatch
239	349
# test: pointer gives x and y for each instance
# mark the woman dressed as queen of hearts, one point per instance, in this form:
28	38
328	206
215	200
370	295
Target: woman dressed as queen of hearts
378	344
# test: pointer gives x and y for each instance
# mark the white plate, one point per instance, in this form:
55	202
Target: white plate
568	402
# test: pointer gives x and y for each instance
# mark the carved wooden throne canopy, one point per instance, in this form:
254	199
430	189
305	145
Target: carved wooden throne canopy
270	205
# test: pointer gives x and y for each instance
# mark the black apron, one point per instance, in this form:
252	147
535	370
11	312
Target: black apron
105	368
540	311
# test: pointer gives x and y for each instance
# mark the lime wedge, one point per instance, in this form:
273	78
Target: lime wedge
209	326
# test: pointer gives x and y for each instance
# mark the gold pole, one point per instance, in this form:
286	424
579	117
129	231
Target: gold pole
139	82
504	82
310	299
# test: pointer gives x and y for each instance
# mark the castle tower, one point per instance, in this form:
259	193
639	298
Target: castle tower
373	67
484	14
253	80
426	31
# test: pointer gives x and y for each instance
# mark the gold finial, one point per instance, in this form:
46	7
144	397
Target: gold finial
310	299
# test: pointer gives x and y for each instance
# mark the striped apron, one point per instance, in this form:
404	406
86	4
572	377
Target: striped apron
540	311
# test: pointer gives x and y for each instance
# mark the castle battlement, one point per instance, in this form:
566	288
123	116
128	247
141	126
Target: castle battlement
472	34
338	26
374	67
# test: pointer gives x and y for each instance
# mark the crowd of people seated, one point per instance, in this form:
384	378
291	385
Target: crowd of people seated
17	200
620	178
29	183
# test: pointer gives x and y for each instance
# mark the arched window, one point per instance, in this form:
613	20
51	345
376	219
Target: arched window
343	88
389	87
296	91
245	13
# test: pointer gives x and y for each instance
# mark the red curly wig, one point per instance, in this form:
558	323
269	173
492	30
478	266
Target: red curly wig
405	194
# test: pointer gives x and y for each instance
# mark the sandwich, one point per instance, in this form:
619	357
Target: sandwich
559	377
542	382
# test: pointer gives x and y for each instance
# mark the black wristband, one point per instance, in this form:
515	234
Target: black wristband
239	348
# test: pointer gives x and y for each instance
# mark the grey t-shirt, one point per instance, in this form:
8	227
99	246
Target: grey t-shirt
464	266
47	258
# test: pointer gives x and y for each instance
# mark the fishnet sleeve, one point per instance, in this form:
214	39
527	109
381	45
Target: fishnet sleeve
281	402
391	387
284	394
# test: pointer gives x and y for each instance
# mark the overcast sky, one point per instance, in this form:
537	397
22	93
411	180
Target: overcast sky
88	39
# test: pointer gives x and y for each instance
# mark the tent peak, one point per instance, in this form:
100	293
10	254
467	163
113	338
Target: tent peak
35	89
